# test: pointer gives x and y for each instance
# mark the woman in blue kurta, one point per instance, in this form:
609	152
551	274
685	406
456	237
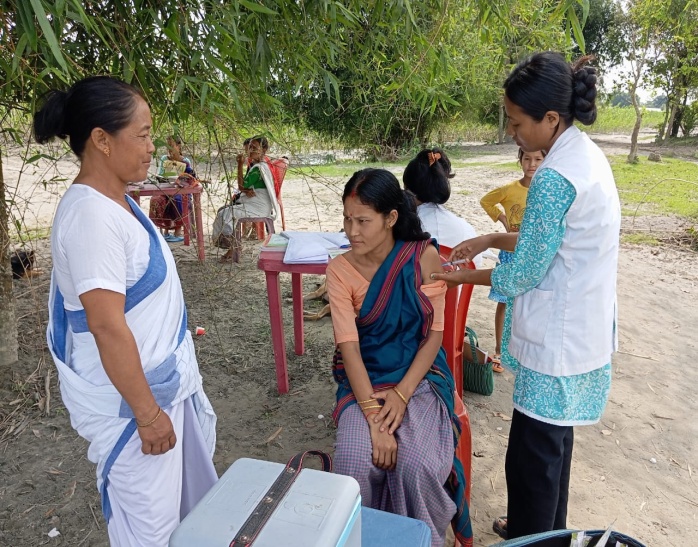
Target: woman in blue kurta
560	324
396	426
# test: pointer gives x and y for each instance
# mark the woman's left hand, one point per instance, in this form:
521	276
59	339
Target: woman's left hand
455	277
393	410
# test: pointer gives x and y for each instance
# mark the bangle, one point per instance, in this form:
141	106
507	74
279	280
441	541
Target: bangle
372	412
396	390
371	406
151	422
366	401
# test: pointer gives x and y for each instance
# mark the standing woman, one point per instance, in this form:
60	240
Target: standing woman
118	324
560	324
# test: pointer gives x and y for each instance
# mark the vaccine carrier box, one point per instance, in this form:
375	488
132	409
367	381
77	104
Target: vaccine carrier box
319	510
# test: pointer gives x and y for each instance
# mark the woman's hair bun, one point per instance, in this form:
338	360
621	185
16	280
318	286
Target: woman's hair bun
49	122
584	95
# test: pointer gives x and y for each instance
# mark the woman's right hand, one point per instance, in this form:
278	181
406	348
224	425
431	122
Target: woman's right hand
240	158
384	447
470	248
158	437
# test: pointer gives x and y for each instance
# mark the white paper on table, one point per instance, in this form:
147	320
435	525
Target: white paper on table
305	251
312	247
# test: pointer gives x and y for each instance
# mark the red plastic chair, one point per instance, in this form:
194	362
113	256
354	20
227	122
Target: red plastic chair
278	168
456	313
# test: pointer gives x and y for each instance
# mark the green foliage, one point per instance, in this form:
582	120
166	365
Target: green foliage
658	101
689	120
600	36
393	94
671	27
660	188
620	99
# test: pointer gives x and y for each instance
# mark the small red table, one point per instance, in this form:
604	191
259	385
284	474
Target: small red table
136	192
272	263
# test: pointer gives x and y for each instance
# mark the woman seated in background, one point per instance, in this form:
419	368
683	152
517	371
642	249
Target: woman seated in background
255	197
426	176
166	211
396	426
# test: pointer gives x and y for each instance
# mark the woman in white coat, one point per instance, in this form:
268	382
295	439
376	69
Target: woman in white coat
560	324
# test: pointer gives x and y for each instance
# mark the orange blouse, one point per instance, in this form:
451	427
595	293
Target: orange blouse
347	289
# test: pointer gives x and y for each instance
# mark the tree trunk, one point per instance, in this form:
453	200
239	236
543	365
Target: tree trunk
662	128
8	321
678	122
632	157
670	122
500	129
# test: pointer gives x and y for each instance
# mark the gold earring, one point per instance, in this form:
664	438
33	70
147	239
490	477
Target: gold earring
107	152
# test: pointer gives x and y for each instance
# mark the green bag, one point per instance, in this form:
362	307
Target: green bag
477	366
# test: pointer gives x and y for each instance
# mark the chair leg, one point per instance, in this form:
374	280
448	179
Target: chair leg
260	230
237	242
283	217
269	223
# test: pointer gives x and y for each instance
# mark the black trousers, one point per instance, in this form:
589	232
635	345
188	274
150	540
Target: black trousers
538	461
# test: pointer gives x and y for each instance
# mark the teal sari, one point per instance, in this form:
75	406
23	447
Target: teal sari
393	324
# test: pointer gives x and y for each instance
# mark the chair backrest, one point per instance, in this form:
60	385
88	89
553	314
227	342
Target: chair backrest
278	167
455	316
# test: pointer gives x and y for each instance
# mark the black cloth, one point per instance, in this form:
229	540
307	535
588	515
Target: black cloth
538	461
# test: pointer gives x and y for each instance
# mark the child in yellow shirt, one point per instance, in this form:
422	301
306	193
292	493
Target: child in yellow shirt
507	204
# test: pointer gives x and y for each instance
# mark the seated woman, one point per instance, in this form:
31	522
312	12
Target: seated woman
426	176
255	197
396	426
165	211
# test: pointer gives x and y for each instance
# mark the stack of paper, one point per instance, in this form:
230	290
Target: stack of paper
313	247
275	242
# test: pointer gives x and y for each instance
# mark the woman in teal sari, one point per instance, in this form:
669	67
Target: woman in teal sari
396	426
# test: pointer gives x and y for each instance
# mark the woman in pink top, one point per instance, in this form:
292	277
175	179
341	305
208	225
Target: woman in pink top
396	426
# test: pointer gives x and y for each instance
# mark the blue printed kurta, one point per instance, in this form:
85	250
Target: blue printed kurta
559	400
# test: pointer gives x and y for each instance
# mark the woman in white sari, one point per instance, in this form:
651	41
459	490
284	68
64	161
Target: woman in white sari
117	321
255	196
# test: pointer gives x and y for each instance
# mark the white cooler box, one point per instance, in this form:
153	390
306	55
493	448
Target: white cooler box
319	510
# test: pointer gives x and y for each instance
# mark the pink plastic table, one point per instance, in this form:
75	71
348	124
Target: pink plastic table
136	192
272	262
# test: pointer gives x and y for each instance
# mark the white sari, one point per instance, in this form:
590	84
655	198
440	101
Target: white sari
99	413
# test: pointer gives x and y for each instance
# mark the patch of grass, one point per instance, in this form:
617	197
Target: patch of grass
463	192
456	153
621	119
667	187
31	234
640	239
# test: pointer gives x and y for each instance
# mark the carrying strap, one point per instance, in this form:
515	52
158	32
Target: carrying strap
472	339
249	531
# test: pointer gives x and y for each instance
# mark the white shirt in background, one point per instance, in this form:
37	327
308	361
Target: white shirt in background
448	228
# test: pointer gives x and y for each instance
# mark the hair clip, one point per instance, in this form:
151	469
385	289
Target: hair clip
433	157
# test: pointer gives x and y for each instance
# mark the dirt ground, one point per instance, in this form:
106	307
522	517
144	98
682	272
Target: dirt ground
635	468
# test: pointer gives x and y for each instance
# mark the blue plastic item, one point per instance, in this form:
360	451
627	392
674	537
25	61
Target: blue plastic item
381	529
561	538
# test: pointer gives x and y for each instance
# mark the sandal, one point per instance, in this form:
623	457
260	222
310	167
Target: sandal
499	526
497	363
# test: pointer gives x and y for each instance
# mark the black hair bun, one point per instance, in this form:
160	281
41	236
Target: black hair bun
584	95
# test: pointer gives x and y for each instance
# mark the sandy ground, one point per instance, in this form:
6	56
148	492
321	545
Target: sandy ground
636	468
